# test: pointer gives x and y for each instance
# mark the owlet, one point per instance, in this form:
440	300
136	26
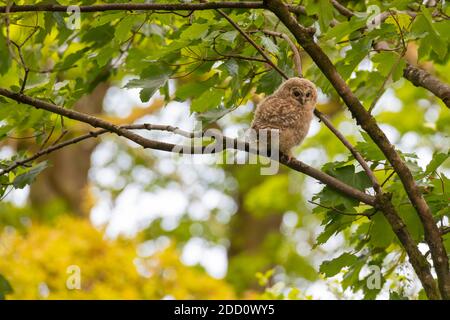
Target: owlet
290	110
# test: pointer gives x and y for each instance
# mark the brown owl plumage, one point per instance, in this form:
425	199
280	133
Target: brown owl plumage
290	110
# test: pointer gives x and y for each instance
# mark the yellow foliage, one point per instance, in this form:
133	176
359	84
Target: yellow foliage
36	264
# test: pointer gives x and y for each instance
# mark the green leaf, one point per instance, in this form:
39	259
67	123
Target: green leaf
208	100
123	28
332	198
190	89
232	66
99	36
28	177
105	17
330	230
351	278
332	267
348	175
447	241
195	32
433	40
4	130
397	296
212	115
325	14
152	78
389	62
381	234
269	45
345	28
71	59
412	221
369	149
5	59
5	287
105	54
269	82
353	57
438	159
229	36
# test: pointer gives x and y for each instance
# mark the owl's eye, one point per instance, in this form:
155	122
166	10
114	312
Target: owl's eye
308	94
296	93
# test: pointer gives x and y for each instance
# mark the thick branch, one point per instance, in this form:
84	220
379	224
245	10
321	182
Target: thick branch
418	261
163	146
342	9
368	123
352	149
421	78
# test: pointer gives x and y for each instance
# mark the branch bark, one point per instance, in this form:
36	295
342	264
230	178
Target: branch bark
421	78
417	260
147	7
368	123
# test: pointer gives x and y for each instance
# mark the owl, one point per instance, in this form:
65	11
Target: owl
290	110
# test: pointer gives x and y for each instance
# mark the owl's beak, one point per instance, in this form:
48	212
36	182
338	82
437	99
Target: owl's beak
302	99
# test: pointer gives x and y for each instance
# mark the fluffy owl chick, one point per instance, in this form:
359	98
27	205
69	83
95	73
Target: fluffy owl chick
290	110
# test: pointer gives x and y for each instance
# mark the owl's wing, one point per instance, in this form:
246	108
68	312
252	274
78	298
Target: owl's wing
270	114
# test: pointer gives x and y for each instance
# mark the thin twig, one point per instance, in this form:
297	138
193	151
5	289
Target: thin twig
252	42
340	211
388	178
352	149
295	51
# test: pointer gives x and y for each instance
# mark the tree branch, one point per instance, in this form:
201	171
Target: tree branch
139	6
421	78
417	260
342	9
297	9
95	134
163	146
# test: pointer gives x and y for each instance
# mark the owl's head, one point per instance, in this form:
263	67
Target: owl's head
299	89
